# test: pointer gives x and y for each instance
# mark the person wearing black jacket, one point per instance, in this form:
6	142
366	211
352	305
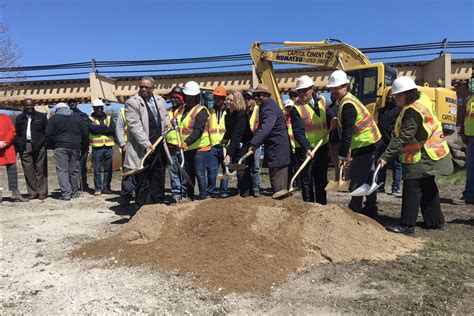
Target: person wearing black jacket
238	131
85	148
66	134
310	119
359	139
30	143
272	132
386	122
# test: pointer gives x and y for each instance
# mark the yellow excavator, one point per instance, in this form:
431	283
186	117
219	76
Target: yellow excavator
370	82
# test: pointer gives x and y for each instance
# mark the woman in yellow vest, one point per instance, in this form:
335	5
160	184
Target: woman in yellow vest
309	126
216	129
359	137
195	138
418	135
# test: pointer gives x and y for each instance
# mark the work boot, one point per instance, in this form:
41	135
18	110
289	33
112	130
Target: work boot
16	197
402	229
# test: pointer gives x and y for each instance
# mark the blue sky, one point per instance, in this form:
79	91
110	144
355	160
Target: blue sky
60	31
66	31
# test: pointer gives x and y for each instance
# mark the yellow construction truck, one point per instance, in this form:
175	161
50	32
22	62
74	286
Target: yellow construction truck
370	82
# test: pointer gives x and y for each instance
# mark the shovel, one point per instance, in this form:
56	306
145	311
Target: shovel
367	189
285	193
227	174
240	166
182	171
342	185
142	167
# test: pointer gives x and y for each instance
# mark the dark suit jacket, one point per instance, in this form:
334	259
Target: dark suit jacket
38	130
273	134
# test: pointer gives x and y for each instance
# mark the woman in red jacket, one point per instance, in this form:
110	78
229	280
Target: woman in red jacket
8	157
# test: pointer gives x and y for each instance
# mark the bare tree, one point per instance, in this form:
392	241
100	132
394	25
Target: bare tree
9	55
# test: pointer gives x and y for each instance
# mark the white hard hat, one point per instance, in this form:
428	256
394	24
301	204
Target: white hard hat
97	102
289	102
62	105
191	88
304	82
402	84
337	78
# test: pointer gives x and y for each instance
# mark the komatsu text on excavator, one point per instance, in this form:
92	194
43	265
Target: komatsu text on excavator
370	82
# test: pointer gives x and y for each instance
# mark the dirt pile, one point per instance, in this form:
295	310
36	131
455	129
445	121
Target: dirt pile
240	245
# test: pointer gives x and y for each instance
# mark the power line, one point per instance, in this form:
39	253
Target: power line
227	58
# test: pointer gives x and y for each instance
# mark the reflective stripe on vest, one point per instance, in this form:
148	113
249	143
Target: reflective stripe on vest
100	140
365	130
469	117
290	134
186	127
216	130
125	125
254	118
315	126
435	145
172	137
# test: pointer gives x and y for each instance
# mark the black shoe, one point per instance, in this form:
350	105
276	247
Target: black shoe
125	200
402	229
64	198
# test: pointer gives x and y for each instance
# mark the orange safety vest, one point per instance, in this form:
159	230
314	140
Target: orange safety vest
435	144
186	127
315	126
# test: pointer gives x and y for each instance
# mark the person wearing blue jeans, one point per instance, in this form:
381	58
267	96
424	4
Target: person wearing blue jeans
396	173
215	159
255	172
102	160
196	163
178	186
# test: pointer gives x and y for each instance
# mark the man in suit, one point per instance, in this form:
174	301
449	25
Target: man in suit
147	119
273	134
30	142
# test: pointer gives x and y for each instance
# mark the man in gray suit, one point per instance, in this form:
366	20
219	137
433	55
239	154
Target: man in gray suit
147	119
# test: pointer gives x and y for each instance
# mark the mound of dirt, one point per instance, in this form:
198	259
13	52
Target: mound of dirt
240	245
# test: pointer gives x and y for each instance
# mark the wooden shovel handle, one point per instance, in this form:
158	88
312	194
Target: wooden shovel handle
306	161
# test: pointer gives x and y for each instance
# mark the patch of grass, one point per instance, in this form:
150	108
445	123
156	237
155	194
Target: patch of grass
458	178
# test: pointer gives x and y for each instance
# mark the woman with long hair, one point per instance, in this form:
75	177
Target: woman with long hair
239	134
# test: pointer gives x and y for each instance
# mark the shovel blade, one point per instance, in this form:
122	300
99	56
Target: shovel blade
331	186
132	172
374	187
361	191
236	166
281	194
344	186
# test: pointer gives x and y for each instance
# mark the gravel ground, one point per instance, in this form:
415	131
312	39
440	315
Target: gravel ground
39	276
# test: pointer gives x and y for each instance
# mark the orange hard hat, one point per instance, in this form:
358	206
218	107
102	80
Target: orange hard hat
220	91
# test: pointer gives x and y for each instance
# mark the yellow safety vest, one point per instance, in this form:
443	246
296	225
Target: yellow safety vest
315	126
125	125
172	137
435	144
469	117
365	131
216	130
291	135
254	118
186	127
100	140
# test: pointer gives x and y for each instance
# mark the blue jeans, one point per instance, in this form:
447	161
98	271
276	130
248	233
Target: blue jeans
177	184
468	193
255	170
196	163
215	158
102	160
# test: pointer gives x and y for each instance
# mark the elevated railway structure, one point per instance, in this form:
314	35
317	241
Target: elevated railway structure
441	71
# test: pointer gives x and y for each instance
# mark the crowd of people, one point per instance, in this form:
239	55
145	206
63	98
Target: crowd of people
197	141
